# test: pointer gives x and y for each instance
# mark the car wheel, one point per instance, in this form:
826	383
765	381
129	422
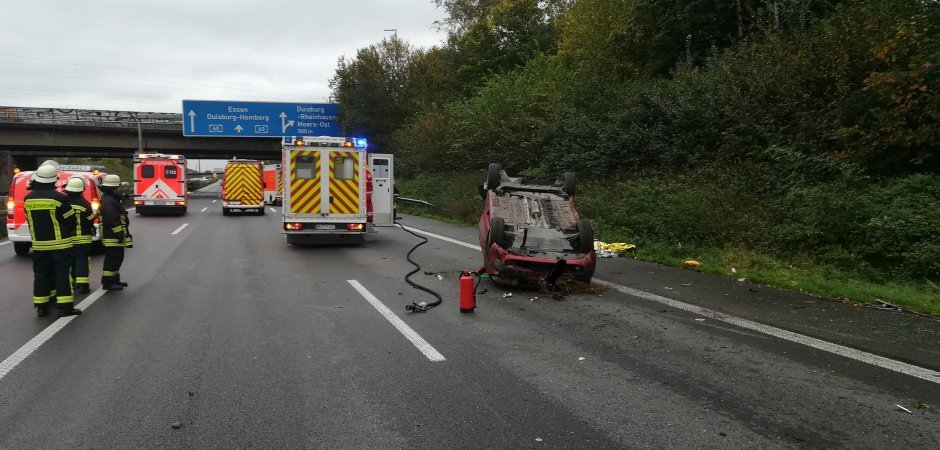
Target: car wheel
225	212
261	211
493	176
585	236
497	233
570	184
21	248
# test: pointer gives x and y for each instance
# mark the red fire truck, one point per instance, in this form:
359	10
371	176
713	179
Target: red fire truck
160	183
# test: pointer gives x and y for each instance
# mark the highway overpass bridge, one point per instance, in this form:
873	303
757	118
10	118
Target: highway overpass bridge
30	135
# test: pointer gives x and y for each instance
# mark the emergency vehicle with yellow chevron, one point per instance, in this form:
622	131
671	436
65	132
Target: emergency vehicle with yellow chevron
325	189
242	187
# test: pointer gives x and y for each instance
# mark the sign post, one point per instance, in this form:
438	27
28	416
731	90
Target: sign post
218	118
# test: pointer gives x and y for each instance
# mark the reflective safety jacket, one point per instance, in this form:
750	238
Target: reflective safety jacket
85	218
50	217
114	221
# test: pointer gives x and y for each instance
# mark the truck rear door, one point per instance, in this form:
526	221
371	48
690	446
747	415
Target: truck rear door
344	189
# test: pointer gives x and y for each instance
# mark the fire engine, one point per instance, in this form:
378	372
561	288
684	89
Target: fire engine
160	183
273	184
18	227
242	186
328	190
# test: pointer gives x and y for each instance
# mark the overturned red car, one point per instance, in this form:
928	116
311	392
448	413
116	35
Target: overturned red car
531	232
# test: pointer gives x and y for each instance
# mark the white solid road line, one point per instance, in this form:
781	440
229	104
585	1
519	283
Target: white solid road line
409	333
180	228
20	355
204	209
819	344
213	201
443	238
273	210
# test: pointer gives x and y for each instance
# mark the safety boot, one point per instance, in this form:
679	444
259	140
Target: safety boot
42	310
121	283
69	311
113	287
82	288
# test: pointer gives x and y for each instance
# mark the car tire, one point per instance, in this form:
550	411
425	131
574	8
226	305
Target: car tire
21	248
497	233
570	183
261	211
493	176
585	236
226	212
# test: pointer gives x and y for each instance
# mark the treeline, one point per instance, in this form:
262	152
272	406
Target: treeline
801	102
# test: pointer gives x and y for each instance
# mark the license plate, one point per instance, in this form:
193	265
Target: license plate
326	226
235	202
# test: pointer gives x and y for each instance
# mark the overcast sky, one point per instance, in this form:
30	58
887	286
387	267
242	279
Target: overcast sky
149	55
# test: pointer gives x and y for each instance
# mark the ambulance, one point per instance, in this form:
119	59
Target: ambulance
160	183
242	186
326	195
273	185
17	226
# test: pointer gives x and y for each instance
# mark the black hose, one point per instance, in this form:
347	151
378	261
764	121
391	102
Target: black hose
415	306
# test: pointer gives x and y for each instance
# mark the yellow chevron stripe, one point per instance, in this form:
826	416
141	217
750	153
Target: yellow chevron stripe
345	192
243	182
305	194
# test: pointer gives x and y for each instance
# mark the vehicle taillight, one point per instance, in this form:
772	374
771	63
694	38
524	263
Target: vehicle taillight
10	205
180	203
293	226
356	226
138	202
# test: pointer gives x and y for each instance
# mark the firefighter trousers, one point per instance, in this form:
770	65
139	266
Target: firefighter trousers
111	272
81	263
52	270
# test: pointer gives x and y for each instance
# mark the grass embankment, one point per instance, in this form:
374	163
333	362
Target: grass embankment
724	225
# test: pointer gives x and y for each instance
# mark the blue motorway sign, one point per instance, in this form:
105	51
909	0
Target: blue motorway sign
215	118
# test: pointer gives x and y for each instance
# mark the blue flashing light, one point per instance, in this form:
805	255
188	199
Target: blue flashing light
361	142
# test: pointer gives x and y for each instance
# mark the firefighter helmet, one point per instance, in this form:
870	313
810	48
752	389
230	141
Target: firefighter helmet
111	180
75	184
46	173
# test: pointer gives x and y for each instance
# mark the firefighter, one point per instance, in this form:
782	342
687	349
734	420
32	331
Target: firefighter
115	234
51	226
84	230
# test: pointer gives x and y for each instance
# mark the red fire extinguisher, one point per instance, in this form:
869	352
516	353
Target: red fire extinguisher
468	295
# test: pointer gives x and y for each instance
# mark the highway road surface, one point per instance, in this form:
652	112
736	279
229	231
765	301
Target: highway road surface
229	338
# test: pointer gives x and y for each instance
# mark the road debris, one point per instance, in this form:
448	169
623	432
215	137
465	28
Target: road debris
581	358
733	270
687	284
613	249
538	439
741	280
692	264
176	426
923	405
699	319
439	277
507	295
904	409
533	299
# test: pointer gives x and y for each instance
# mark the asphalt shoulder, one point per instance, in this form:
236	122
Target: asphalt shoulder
896	335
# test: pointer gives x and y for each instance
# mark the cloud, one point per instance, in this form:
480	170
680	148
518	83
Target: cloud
147	56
